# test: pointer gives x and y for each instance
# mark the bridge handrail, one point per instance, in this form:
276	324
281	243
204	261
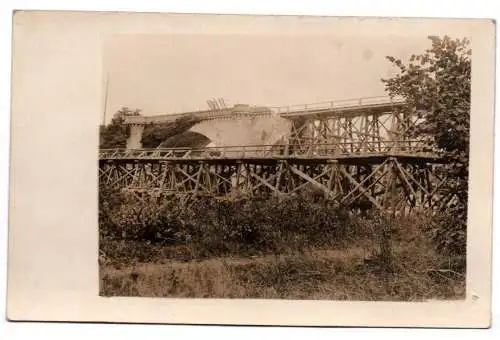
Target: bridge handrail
337	104
343	148
269	110
270	145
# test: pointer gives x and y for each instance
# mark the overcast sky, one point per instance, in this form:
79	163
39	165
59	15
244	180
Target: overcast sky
167	74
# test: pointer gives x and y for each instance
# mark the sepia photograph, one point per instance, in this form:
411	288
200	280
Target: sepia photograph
283	167
251	169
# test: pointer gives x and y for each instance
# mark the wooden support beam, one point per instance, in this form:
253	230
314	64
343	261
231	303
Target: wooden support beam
279	175
366	189
402	176
355	183
198	177
360	184
311	180
315	179
264	182
189	177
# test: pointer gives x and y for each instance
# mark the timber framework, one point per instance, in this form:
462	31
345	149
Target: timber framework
359	156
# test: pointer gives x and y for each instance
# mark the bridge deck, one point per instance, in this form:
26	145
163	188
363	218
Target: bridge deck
411	151
342	108
346	179
342	159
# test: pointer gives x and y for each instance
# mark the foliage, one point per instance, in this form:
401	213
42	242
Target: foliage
448	232
115	134
319	271
218	228
293	247
436	85
186	139
171	134
155	134
147	223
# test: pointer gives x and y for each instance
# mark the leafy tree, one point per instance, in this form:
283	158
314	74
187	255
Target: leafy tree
115	134
436	85
171	134
155	134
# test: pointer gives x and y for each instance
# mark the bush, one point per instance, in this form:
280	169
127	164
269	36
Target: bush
449	233
242	227
148	231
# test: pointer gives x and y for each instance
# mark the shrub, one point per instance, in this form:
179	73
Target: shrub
248	227
148	222
449	233
217	228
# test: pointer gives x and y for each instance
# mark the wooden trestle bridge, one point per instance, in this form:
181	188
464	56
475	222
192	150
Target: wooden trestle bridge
356	155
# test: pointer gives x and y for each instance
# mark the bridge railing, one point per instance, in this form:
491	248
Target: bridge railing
336	105
330	150
283	111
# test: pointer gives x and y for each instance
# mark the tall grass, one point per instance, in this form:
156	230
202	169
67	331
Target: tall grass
334	275
276	248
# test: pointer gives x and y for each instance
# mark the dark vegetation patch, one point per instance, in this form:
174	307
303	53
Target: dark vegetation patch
276	248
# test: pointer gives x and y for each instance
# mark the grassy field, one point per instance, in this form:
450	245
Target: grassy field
328	274
277	250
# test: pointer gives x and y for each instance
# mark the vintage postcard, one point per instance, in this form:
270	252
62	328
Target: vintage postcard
253	170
